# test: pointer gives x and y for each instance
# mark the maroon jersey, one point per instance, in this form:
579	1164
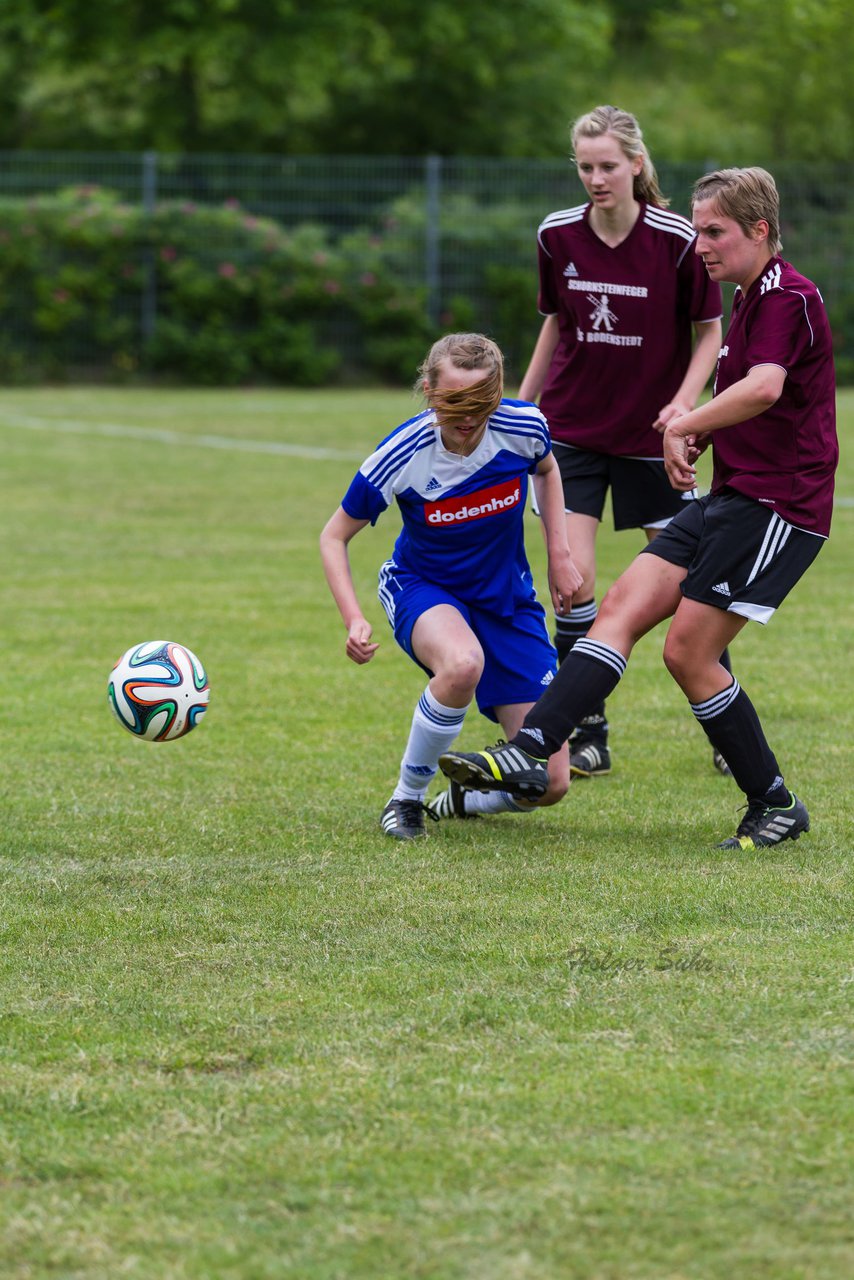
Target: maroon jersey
785	457
624	320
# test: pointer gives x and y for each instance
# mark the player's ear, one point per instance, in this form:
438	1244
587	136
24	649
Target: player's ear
760	230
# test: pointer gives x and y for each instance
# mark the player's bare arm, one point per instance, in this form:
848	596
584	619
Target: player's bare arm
338	533
686	436
564	578
707	344
535	375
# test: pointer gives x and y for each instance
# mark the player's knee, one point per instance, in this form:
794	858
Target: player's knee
678	658
614	602
462	671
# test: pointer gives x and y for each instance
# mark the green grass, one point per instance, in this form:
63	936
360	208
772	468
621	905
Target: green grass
245	1036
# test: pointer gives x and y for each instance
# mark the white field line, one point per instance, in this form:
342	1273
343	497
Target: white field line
123	431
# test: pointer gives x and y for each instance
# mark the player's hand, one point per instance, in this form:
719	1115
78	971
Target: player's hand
564	581
668	413
359	646
680	454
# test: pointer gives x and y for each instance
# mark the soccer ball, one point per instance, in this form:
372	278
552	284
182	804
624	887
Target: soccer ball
158	690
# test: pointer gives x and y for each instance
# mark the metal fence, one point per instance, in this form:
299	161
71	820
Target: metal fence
456	220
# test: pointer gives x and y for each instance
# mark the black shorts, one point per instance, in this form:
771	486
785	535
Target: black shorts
740	555
641	495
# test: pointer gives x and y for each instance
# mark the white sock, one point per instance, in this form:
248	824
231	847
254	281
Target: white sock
491	802
434	729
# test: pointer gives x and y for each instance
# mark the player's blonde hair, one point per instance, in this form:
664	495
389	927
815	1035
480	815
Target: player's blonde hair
747	196
627	131
464	351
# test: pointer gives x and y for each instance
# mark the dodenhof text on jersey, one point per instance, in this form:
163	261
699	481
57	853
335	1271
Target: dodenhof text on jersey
474	506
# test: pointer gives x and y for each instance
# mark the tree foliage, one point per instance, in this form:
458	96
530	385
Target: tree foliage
409	77
735	81
769	82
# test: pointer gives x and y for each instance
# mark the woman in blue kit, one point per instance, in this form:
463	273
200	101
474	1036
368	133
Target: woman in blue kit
458	590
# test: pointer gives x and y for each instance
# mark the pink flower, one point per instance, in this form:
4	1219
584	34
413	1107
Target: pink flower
367	278
331	286
231	203
227	270
61	295
320	258
168	254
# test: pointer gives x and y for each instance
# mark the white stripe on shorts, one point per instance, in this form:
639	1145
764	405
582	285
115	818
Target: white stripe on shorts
776	537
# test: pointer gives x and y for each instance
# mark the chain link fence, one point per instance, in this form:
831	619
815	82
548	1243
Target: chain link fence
460	233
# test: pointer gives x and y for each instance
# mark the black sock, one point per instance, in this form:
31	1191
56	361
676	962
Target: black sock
568	631
732	726
594	726
573	627
591	671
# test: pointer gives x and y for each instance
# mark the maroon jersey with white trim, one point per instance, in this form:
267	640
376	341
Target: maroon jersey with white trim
785	457
624	320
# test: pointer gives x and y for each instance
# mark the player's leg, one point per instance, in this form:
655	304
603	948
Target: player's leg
586	478
644	595
442	642
644	498
697	636
718	760
748	561
511	719
589	752
519	661
458	802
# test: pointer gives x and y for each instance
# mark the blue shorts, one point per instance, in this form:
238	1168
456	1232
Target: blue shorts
519	658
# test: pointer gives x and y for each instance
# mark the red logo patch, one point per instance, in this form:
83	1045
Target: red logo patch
474	506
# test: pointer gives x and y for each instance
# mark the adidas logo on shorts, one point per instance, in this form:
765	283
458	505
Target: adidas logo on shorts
722	588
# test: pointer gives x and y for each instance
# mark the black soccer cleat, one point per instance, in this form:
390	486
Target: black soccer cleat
404	819
504	767
588	759
762	826
450	803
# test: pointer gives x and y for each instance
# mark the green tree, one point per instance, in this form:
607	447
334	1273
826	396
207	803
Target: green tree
774	80
403	77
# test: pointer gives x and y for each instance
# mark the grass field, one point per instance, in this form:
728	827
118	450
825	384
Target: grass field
244	1036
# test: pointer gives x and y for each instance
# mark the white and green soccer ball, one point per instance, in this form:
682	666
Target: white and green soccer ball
158	690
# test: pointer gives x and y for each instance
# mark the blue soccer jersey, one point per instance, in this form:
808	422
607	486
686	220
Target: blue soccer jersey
462	516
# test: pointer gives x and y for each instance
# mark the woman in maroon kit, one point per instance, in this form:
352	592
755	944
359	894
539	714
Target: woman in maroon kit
631	333
735	554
